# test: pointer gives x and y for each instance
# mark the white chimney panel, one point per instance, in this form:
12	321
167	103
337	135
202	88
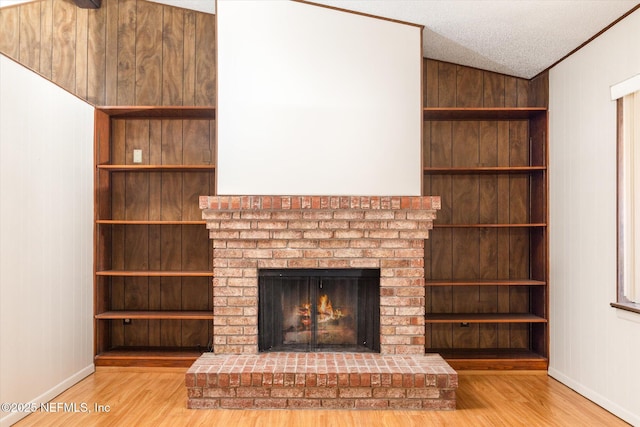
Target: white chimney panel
313	100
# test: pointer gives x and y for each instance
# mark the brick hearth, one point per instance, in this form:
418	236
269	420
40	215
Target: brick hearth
250	233
321	380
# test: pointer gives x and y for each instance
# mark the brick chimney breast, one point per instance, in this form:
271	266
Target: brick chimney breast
256	232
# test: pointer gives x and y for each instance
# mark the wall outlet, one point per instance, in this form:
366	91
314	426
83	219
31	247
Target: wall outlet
137	156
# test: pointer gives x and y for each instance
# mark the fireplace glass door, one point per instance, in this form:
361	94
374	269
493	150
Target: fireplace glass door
319	310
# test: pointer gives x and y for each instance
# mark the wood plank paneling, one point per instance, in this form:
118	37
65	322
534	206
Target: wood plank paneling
125	53
482	253
46	38
511	92
488	193
494	90
10	32
189	87
469	87
30	29
126	45
64	54
539	90
82	52
173	41
96	55
112	55
439	247
148	54
503	246
162	196
205	60
447	84
451	85
137	239
523	93
118	212
200	147
430	83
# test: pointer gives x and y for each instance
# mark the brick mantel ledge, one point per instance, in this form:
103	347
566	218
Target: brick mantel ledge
319	217
320	202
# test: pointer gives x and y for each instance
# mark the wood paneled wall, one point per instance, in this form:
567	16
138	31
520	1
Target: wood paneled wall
451	85
128	52
477	253
161	196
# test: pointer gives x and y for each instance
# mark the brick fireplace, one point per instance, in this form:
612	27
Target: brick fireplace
254	233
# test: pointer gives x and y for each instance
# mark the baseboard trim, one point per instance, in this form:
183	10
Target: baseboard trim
14	417
597	398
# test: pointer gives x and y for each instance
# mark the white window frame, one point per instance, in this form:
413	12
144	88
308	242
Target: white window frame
627	95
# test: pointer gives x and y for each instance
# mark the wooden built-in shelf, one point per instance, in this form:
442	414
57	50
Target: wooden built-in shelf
158	315
155	273
512	282
490	167
484	318
157	168
149	357
482	113
483	170
146	255
156	112
491	358
528	225
148	222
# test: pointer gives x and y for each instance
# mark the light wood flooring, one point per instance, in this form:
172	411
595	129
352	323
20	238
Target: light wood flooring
157	397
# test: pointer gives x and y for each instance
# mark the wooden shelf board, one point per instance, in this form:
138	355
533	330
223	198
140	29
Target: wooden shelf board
498	364
156	315
484	170
528	225
156	357
148	222
482	113
155	273
484	318
512	282
157	168
157	112
470	359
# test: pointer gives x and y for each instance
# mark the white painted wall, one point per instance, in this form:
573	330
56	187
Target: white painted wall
6	3
303	110
595	349
46	243
206	6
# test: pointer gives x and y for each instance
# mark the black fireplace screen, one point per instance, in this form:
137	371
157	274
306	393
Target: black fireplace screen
319	310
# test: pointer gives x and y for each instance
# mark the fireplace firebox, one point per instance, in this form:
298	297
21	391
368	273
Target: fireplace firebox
310	310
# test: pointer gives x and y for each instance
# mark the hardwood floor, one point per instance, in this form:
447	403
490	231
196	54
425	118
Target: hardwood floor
157	397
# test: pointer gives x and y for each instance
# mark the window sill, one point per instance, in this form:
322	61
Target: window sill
627	306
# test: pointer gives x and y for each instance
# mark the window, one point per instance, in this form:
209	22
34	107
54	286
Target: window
628	295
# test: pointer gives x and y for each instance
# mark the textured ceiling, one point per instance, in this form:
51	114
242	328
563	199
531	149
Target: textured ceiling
516	37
